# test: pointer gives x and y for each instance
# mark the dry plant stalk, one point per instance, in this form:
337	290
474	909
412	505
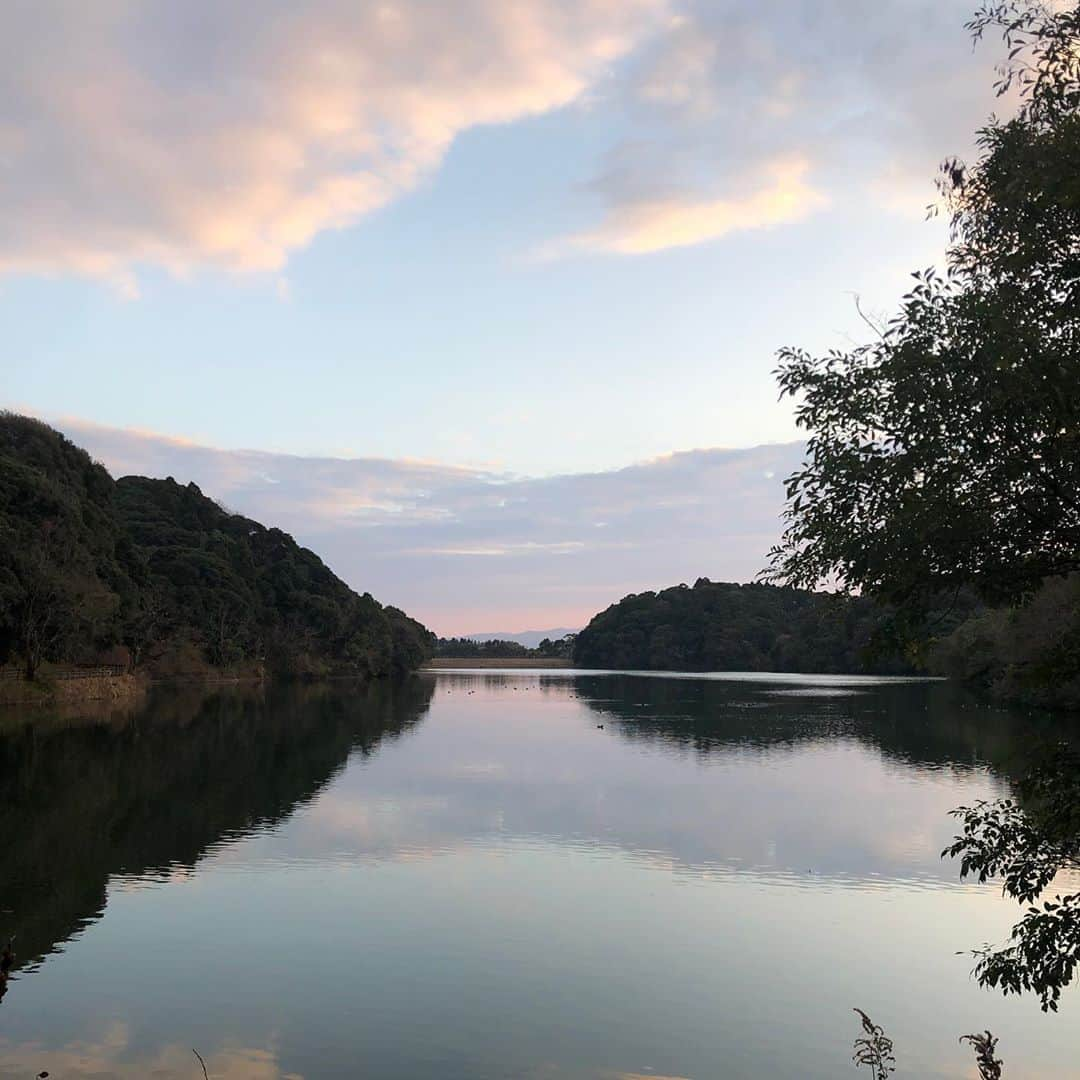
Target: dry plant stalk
984	1045
874	1049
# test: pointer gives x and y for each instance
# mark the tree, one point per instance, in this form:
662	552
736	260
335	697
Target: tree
40	605
143	628
946	452
716	626
560	648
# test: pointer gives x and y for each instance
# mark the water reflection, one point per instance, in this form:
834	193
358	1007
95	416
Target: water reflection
932	724
147	794
698	776
701	887
112	1055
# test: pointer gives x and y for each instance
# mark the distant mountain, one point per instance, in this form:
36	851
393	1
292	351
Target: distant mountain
529	638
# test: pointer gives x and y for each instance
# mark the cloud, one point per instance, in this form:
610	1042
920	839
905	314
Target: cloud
743	116
139	134
527	547
643	226
464	549
184	135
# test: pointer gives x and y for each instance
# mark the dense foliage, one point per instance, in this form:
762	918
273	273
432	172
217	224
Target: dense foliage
1027	654
716	626
70	577
88	565
945	454
557	648
470	649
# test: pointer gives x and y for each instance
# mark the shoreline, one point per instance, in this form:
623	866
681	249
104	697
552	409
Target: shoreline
493	662
69	691
49	690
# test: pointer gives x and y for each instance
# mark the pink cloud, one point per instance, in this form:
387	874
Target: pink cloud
229	135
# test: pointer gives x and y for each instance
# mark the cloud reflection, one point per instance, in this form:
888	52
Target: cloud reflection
113	1055
700	777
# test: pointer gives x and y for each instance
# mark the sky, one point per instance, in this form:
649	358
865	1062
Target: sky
424	256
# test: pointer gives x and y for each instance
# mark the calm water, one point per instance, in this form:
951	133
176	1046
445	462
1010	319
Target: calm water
467	876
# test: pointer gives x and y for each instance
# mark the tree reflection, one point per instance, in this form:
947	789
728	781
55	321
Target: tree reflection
924	724
152	792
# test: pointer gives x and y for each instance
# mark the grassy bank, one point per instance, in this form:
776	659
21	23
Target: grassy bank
70	691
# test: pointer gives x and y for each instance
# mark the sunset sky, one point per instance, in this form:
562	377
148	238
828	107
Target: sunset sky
476	299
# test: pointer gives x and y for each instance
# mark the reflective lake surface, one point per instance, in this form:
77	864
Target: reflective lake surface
497	874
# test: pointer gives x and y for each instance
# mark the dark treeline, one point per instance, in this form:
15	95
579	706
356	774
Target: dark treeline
717	626
467	648
154	572
499	649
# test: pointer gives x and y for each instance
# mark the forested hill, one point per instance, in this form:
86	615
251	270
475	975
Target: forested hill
152	569
716	626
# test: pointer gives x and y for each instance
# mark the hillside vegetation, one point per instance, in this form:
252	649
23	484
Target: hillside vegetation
1028	653
717	626
154	571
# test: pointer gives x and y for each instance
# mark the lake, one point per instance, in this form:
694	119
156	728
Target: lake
566	876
